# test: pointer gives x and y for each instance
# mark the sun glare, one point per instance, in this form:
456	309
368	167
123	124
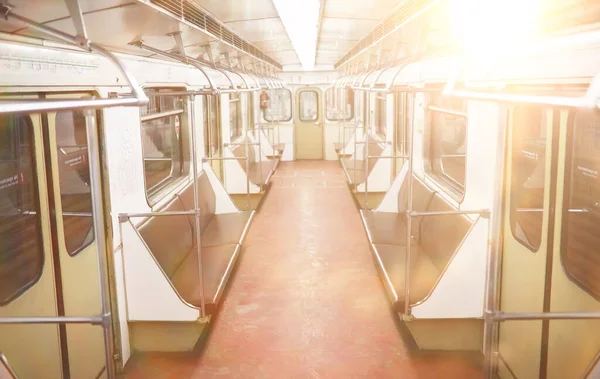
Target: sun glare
492	26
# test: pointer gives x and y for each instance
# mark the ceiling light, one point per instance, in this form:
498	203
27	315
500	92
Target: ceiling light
301	21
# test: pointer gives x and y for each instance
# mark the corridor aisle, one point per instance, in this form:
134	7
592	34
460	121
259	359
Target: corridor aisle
305	300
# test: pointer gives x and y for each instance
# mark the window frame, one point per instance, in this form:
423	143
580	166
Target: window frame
338	91
83	246
290	103
300	102
237	100
377	116
166	185
444	181
36	186
511	220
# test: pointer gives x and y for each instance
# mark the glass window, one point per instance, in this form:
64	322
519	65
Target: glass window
276	104
528	172
235	119
447	146
581	217
339	104
401	114
21	249
380	115
74	174
163	120
309	106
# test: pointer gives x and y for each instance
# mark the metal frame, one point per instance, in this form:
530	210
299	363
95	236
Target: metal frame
138	99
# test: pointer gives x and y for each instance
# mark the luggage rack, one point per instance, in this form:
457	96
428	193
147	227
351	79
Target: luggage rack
135	99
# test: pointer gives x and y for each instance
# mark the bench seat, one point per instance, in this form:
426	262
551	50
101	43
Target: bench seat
226	229
172	242
355	168
338	146
434	241
217	264
260	173
423	273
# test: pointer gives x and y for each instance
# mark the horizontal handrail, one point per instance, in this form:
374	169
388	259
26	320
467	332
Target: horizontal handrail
580	315
155	116
387	156
240	143
123	217
482	212
446	111
204	160
94	320
57	105
591	99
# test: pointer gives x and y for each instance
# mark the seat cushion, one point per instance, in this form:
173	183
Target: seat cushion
169	238
423	273
225	229
217	263
356	176
386	228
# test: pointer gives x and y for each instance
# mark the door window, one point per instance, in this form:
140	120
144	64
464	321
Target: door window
309	106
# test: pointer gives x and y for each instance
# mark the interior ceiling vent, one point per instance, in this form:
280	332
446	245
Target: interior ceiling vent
389	25
185	10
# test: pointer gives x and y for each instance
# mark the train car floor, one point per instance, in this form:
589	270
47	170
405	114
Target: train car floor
305	300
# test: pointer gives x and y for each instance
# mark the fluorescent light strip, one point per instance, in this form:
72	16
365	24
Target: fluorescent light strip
301	21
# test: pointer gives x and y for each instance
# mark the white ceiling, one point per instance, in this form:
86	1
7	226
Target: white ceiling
343	23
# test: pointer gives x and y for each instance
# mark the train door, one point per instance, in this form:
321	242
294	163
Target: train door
212	132
308	124
52	200
570	346
527	247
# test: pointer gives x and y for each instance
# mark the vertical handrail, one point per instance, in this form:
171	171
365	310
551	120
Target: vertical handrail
371	116
409	210
197	206
493	259
99	231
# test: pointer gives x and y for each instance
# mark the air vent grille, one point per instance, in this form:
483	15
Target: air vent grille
187	11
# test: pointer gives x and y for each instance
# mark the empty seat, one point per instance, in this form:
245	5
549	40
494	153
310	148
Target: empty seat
172	242
356	168
258	172
389	228
434	241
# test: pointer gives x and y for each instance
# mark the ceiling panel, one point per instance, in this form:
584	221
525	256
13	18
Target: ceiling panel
333	28
259	30
274	45
336	44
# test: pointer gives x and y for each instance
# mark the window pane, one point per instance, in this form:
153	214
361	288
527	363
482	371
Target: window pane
339	104
380	116
74	174
309	106
276	104
162	144
448	141
581	245
21	250
528	175
235	122
401	111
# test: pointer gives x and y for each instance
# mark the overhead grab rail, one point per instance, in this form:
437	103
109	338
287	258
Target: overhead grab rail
139	97
590	100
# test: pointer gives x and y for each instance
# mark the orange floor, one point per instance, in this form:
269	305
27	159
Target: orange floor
306	301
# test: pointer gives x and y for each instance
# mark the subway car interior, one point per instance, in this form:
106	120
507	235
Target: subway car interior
299	189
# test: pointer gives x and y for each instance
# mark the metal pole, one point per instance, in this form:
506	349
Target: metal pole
371	117
196	206
93	320
98	220
409	210
247	174
493	260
